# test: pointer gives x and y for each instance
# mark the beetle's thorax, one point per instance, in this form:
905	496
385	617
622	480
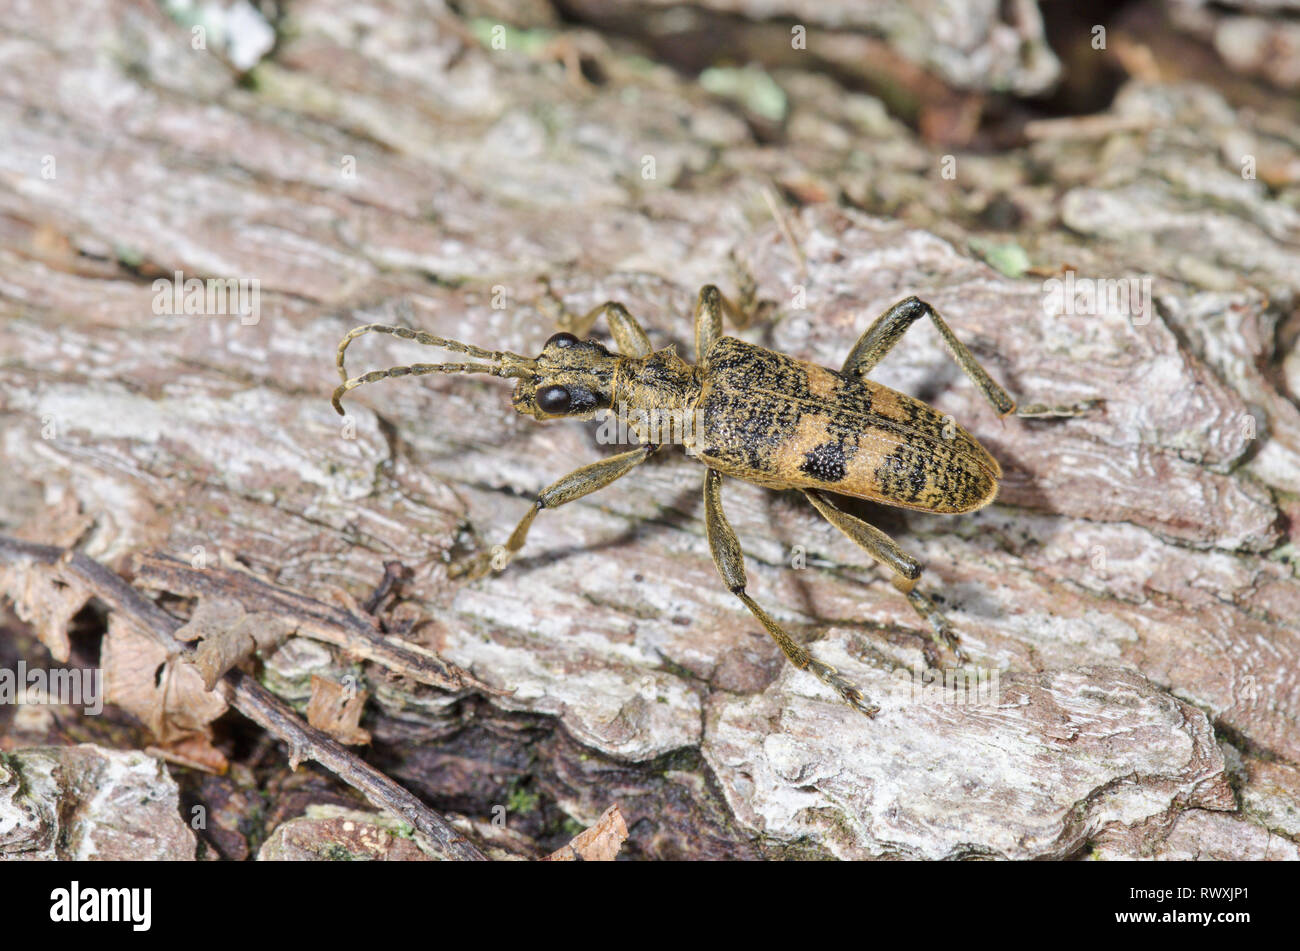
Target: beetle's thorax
660	383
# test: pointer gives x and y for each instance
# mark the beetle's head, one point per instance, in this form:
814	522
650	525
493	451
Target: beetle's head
570	377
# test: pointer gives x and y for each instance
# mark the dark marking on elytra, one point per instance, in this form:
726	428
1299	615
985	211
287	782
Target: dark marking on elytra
825	462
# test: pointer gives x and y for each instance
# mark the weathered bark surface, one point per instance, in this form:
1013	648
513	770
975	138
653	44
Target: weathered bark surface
1133	587
83	802
1246	36
979	45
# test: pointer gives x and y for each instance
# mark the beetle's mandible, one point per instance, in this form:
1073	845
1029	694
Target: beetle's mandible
763	417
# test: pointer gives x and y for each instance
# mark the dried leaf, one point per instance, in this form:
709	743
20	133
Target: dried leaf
166	694
600	843
194	751
351	629
336	709
62	522
46	600
211	618
228	635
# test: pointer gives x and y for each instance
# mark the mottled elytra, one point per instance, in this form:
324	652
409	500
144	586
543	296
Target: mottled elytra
761	416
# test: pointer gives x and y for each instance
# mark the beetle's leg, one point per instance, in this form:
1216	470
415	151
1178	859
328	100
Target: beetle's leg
905	569
893	323
710	307
730	560
1043	411
575	485
629	336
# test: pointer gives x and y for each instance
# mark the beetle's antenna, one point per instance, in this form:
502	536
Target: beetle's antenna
429	340
503	363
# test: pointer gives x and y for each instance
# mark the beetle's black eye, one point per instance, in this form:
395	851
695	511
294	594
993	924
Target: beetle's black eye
553	399
561	340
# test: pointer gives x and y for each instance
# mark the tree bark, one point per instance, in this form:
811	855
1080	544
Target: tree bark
1131	594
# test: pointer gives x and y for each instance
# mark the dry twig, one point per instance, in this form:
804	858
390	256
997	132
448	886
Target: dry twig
252	699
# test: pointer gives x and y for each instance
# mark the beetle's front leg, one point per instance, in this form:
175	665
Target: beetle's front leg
905	569
729	558
889	328
575	485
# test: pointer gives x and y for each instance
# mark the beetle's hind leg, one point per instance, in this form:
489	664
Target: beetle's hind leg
904	568
889	328
730	561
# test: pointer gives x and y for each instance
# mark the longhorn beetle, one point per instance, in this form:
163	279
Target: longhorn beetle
765	418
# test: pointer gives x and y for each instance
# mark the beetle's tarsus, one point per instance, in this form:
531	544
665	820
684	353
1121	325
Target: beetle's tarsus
1070	410
849	691
941	628
480	565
